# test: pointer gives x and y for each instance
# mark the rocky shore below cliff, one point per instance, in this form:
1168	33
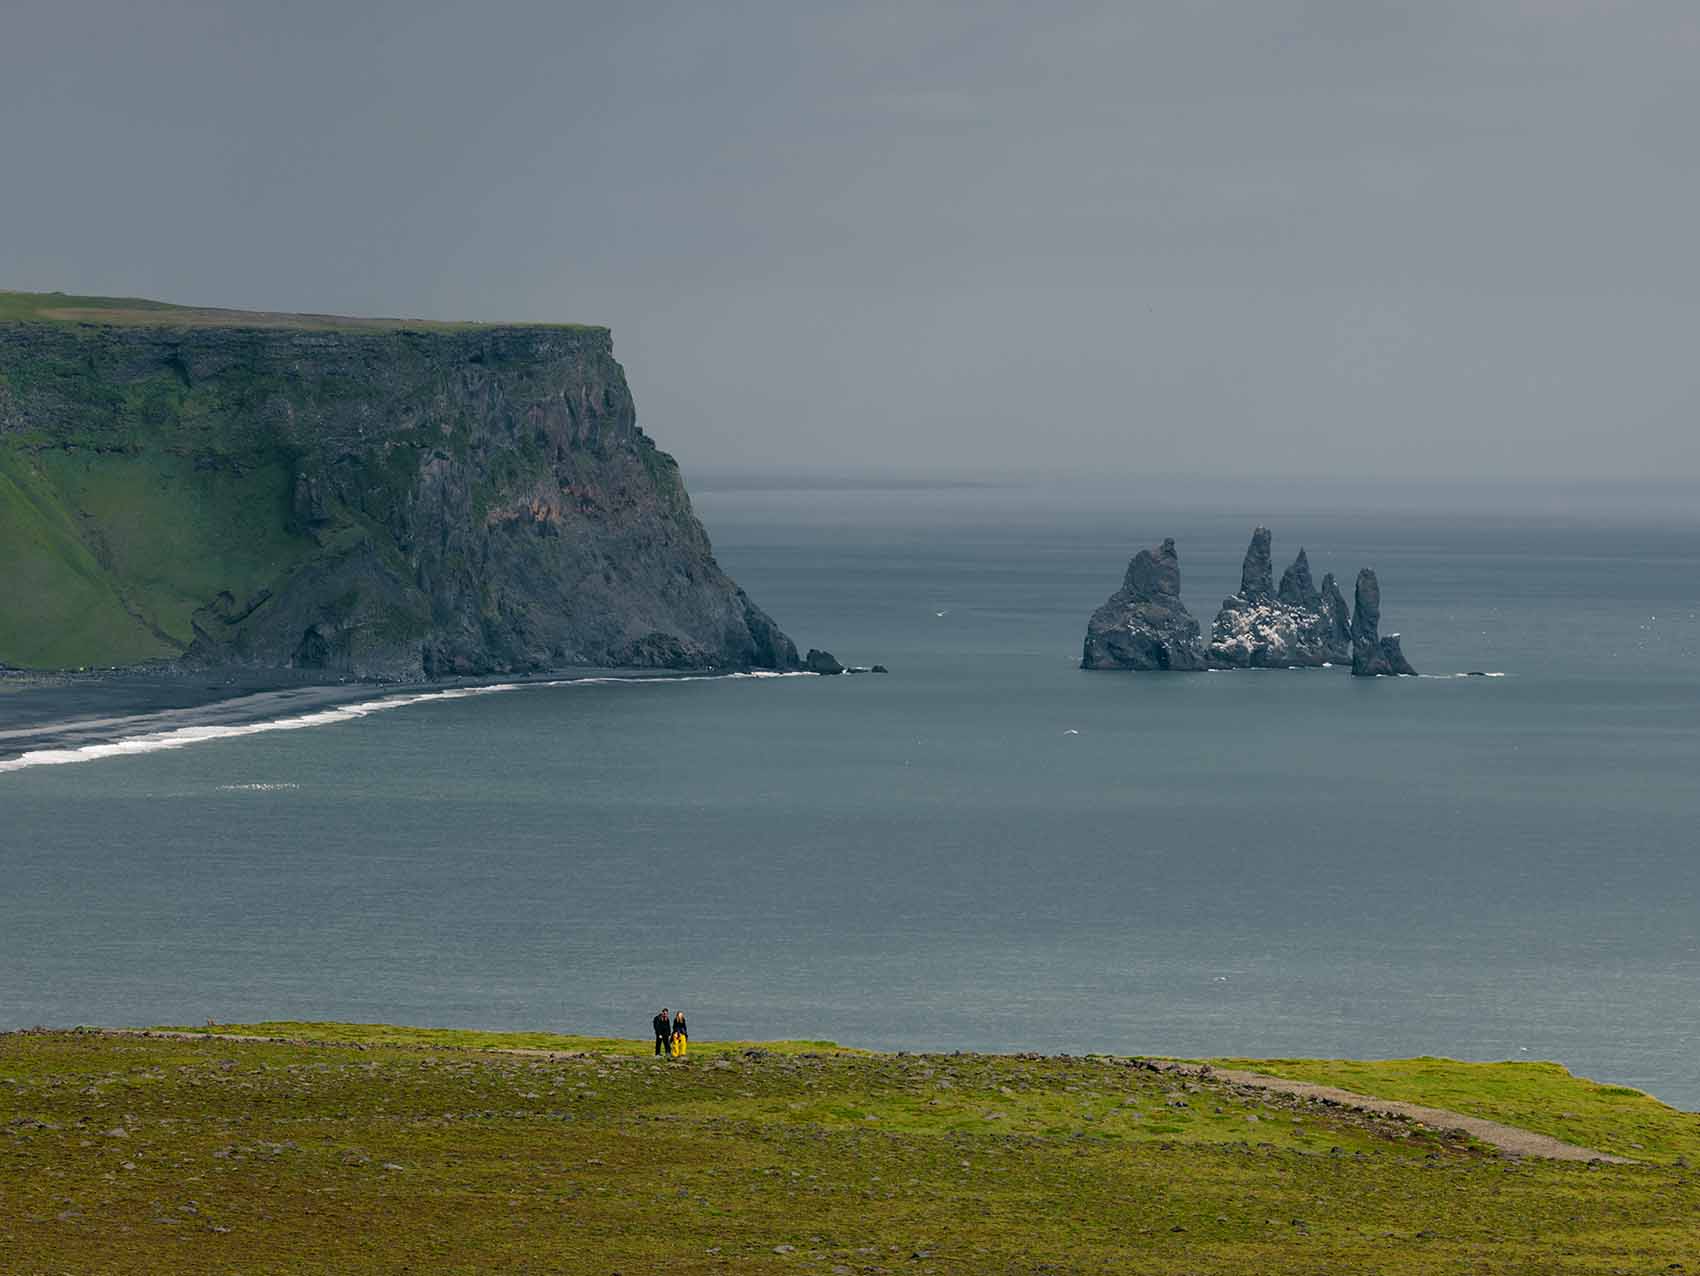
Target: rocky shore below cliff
1297	624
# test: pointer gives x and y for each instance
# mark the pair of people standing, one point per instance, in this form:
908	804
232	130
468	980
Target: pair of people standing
670	1037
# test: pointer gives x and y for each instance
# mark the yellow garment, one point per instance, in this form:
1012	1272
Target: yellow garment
679	1045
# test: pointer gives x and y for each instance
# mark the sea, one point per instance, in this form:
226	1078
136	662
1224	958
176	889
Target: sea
986	849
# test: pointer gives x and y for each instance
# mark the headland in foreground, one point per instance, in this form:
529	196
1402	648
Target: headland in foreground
328	1147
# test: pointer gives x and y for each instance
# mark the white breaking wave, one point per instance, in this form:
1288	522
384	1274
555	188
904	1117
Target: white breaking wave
156	741
256	788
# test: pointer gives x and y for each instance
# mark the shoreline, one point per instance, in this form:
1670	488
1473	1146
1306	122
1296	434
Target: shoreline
64	713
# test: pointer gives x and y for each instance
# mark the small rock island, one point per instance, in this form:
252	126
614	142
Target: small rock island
1296	624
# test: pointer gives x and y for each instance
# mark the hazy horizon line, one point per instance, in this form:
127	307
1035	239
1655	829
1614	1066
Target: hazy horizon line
1028	494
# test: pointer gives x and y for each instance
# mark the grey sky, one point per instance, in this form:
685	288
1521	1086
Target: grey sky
1334	238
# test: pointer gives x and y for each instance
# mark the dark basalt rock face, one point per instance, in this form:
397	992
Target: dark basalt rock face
1144	624
822	662
1262	627
1338	613
1297	589
1372	654
364	501
1257	572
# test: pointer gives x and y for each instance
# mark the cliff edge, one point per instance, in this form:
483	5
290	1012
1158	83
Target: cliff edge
365	498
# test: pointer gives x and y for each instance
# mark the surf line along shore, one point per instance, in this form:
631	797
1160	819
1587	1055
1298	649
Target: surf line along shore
46	726
1509	1139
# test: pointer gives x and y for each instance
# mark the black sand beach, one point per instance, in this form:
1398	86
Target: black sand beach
71	710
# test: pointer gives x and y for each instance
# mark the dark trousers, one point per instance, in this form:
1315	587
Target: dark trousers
663	1043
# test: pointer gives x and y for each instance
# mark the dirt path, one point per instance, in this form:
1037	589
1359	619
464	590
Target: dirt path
1510	1139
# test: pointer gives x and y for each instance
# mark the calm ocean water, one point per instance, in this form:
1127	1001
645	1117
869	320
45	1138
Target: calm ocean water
988	849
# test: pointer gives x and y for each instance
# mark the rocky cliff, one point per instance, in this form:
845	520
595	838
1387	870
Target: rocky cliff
363	498
1145	626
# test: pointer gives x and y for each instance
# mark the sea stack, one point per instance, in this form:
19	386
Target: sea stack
1299	624
1144	625
1264	628
1372	654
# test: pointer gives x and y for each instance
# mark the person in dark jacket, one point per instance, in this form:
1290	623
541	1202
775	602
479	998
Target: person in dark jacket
663	1033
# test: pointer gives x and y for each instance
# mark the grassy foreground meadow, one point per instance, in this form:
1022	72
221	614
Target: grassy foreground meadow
346	1148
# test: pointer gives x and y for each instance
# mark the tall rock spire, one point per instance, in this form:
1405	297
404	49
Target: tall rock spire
1372	654
1257	573
1297	587
1338	613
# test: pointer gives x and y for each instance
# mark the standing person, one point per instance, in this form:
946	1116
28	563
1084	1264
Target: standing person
663	1033
680	1041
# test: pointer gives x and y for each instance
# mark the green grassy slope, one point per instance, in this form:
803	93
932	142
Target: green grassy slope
46	307
1544	1097
167	1155
116	551
177	535
75	614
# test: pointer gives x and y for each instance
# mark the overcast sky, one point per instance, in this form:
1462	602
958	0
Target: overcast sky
1341	238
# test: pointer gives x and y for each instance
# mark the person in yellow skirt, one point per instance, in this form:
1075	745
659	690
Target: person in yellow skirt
681	1042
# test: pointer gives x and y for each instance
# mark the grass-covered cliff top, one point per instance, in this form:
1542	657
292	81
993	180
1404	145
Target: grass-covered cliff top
368	1147
132	312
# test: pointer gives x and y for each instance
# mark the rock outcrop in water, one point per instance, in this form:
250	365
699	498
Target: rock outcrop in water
360	498
1373	654
1263	627
1144	625
822	662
